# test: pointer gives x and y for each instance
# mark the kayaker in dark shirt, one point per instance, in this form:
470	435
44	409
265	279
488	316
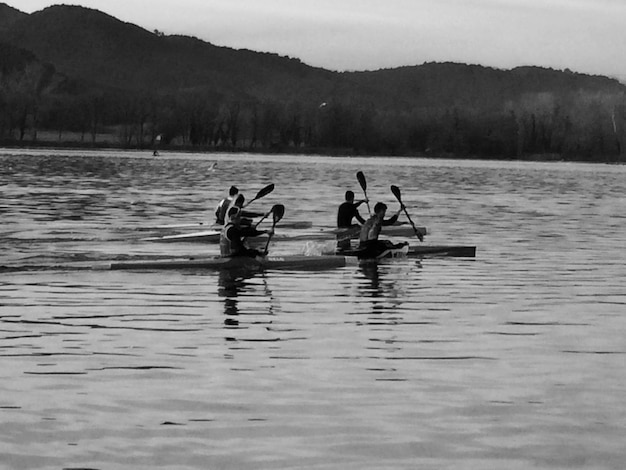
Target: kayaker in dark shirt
348	211
369	244
233	235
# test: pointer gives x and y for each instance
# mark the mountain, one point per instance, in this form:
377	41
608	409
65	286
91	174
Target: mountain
8	16
87	70
89	45
452	84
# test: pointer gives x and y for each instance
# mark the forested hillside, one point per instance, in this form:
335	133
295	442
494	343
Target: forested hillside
9	15
75	74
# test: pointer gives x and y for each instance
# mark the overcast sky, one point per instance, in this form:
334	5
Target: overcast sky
587	36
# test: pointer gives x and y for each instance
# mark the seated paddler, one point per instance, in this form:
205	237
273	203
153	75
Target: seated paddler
348	210
245	216
221	210
233	235
369	244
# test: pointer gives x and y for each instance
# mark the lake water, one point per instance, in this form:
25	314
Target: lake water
515	359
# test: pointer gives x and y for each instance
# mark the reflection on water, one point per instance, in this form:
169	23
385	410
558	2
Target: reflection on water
514	359
231	285
247	305
371	272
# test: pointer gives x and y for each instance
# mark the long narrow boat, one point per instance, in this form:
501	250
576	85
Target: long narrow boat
206	236
299	262
294	224
458	251
213	235
389	231
420	251
203	236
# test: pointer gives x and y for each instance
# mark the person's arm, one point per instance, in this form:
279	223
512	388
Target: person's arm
218	209
251	232
232	233
393	219
358	216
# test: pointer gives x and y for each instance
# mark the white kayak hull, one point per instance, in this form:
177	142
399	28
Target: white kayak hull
295	224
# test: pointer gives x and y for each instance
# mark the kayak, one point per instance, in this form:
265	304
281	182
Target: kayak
418	251
206	236
391	231
295	224
458	251
300	262
213	235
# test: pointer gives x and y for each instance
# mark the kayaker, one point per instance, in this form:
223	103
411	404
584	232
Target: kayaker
245	216
233	234
347	212
222	208
369	244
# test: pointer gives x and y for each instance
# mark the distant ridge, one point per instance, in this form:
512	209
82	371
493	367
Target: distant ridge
89	45
448	84
95	71
9	15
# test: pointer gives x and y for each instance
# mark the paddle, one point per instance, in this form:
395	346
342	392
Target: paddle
262	193
396	192
275	208
361	177
278	211
271	211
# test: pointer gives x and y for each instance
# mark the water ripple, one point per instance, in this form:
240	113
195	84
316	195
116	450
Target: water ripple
513	359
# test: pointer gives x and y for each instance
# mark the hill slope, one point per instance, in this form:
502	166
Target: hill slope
441	85
89	45
8	16
116	74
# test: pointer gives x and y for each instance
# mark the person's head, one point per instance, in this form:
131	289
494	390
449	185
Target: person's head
233	214
239	200
349	196
233	190
380	208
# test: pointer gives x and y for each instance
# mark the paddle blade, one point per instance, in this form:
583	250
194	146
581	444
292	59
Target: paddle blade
278	211
264	192
361	178
396	192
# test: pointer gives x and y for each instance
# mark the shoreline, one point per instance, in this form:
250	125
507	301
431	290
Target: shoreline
304	151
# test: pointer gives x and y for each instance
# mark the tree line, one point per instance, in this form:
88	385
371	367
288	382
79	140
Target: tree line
578	125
